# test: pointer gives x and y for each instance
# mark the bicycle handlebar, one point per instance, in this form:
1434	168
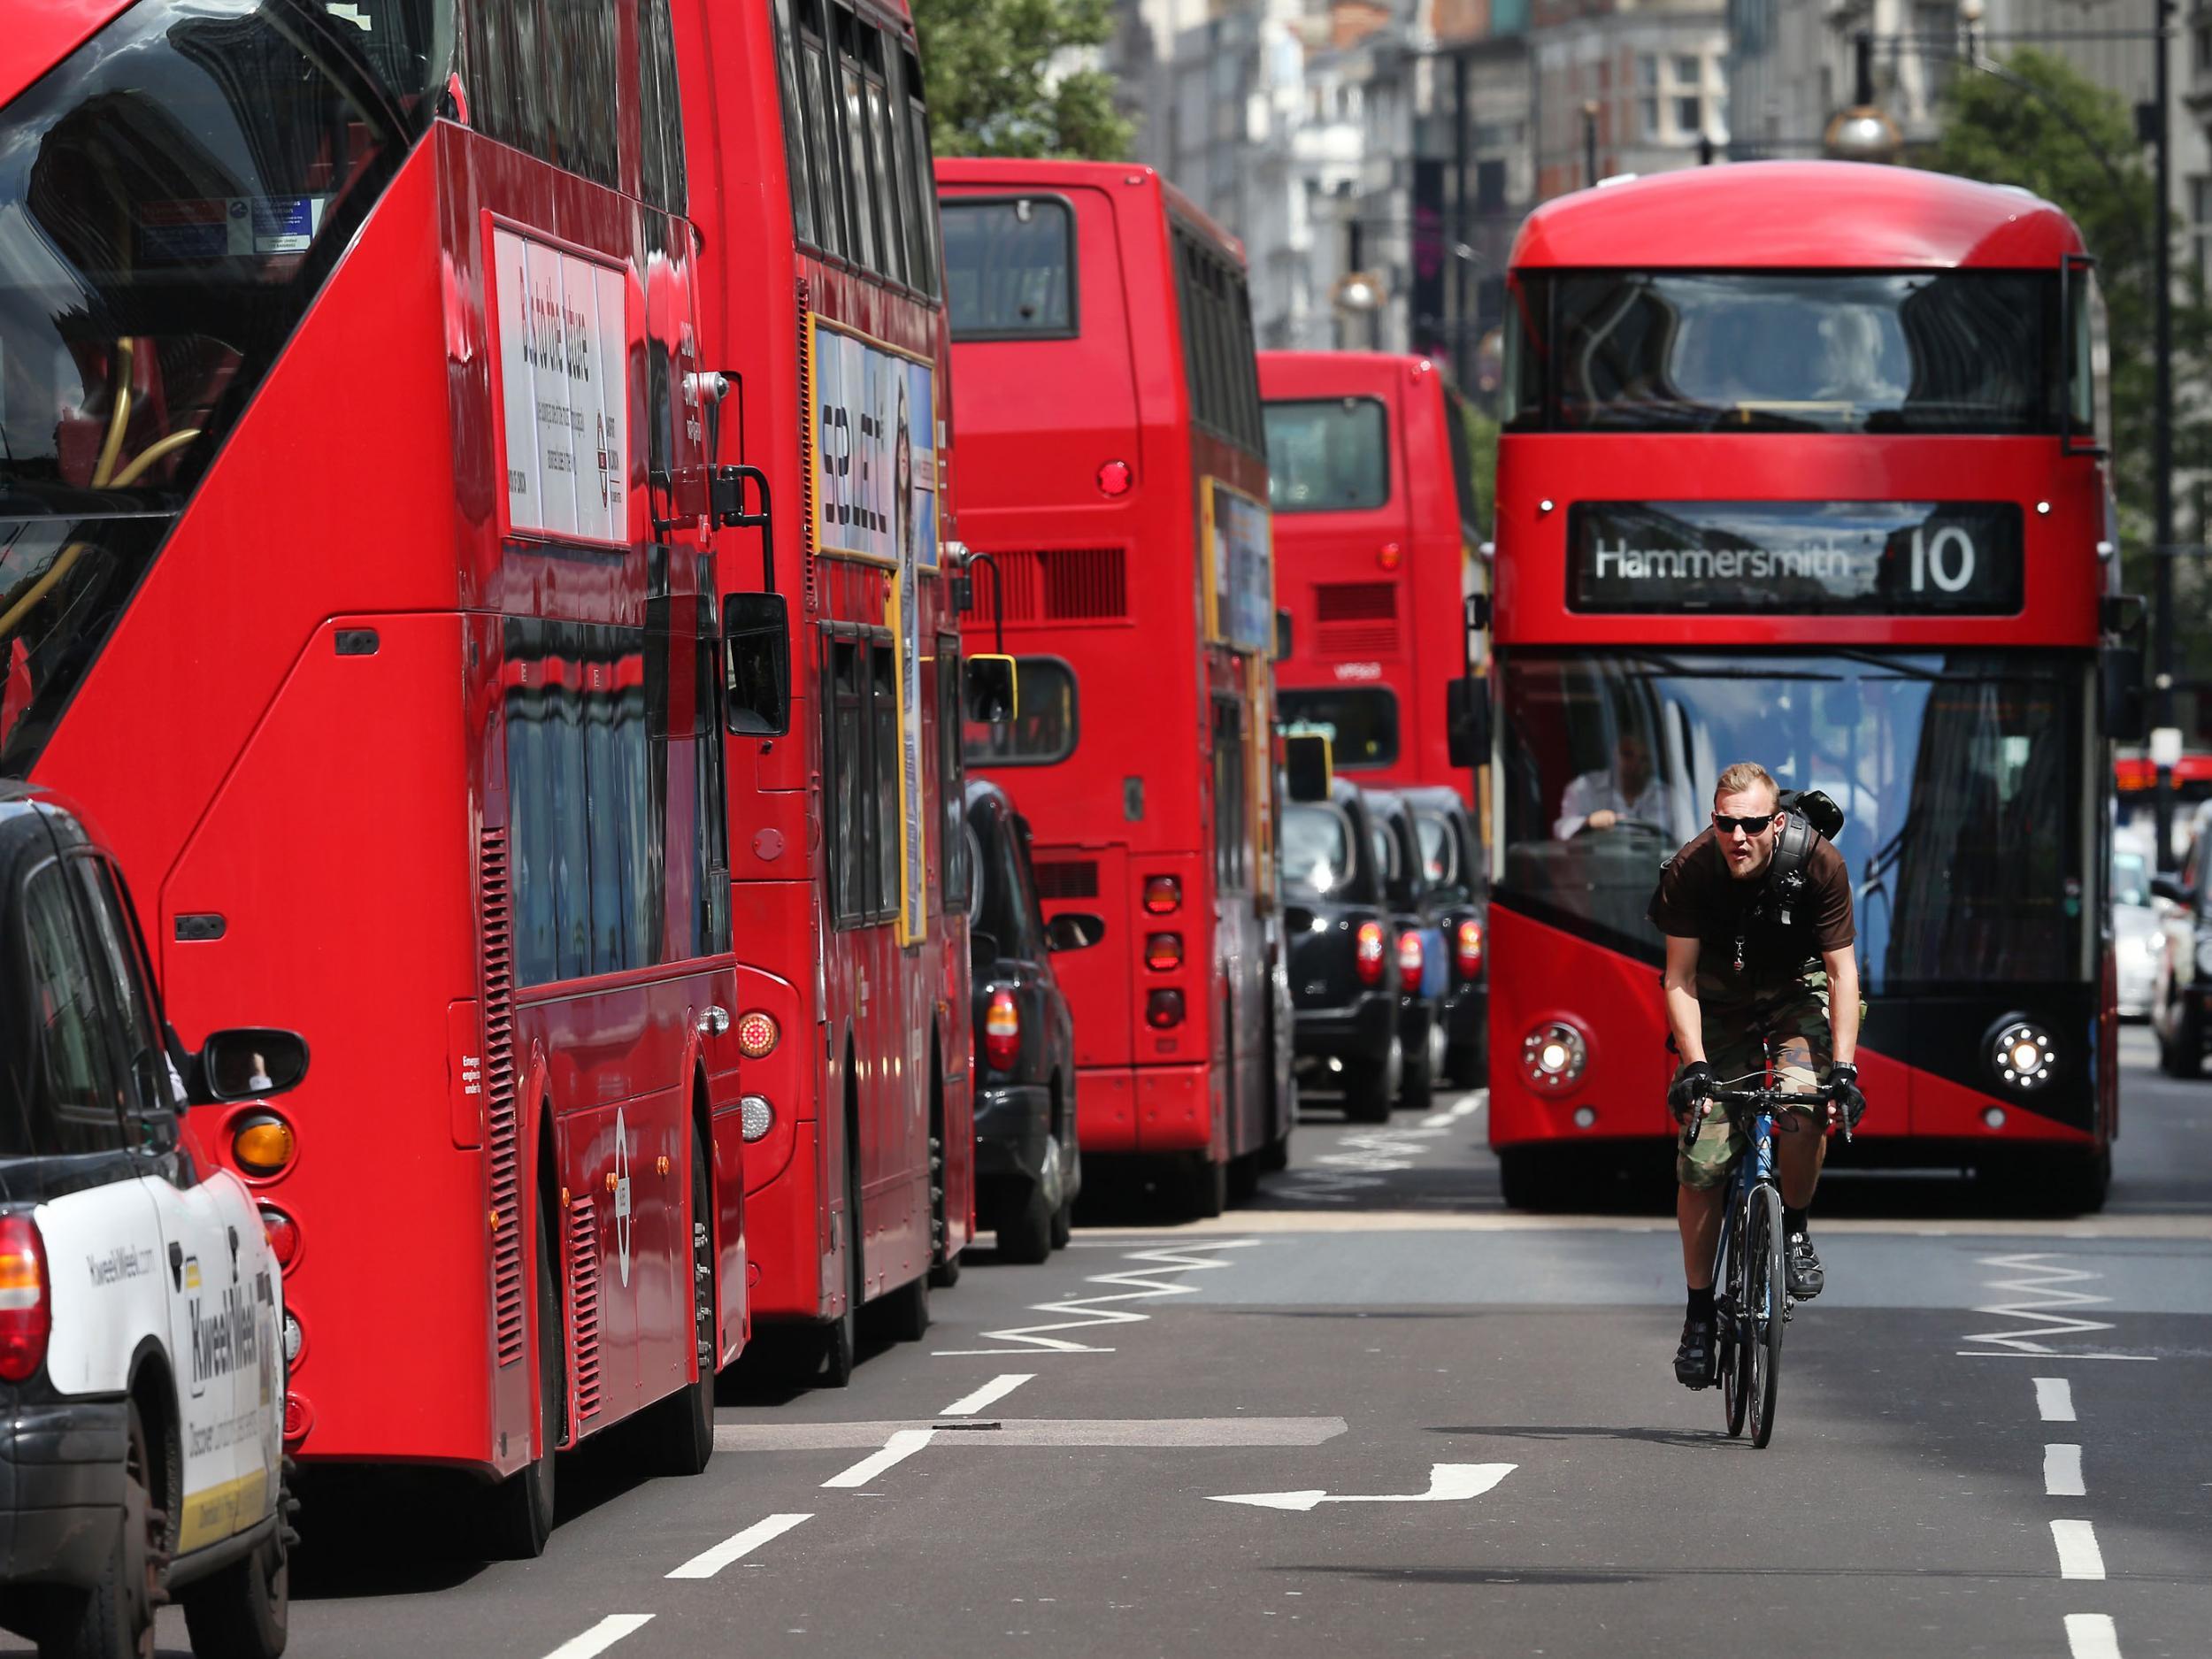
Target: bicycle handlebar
1735	1100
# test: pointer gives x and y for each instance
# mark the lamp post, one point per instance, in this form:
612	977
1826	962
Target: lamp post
1865	132
2162	435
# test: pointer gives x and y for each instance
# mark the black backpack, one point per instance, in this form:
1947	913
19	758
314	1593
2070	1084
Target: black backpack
1807	812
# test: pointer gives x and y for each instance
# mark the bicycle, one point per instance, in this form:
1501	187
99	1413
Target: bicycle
1752	1303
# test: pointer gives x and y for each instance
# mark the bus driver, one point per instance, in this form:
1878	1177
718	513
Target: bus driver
1746	966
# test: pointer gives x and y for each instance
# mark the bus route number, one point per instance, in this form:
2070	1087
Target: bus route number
1945	559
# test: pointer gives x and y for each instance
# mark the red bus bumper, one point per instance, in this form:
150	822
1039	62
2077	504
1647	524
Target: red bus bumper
1144	1109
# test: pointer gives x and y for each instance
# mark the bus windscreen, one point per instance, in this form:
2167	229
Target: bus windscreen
1327	455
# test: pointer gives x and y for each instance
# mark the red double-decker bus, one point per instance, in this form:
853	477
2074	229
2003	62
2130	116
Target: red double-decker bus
849	865
1112	439
1377	555
1801	466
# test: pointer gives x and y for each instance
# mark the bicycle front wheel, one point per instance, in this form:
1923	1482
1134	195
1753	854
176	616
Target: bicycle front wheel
1768	1308
1735	1353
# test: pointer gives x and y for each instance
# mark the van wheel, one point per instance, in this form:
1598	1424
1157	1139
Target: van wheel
518	1511
1367	1090
683	1424
115	1618
242	1611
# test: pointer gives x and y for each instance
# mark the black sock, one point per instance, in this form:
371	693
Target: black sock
1700	1302
1794	1223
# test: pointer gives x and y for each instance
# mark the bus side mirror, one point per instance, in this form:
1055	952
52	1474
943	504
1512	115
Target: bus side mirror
1307	765
2126	713
756	664
992	688
1074	930
1467	721
249	1061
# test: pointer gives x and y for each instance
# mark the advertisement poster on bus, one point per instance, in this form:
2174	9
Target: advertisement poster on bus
1238	540
875	493
562	323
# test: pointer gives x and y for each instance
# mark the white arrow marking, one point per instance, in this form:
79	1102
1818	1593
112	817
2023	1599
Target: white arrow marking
1448	1483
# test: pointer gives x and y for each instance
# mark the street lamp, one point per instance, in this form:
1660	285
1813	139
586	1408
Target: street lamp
1360	293
1865	132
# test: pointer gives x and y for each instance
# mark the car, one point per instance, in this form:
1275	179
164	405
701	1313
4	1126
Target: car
1459	898
1344	960
143	1331
1027	1165
2137	934
1424	975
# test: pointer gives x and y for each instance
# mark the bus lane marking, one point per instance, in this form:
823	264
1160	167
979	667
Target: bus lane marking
990	1393
707	1562
2038	1294
1448	1483
903	1445
2091	1636
1140	1284
2078	1557
602	1636
2062	1473
2055	1399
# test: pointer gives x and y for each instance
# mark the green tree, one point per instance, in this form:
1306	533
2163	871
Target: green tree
998	84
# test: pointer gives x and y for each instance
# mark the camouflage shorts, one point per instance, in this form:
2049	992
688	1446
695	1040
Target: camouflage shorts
1738	1032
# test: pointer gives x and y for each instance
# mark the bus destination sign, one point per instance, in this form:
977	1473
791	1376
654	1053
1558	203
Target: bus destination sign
1795	558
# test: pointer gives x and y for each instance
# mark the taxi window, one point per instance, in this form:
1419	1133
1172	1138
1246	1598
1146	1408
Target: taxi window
118	960
74	1104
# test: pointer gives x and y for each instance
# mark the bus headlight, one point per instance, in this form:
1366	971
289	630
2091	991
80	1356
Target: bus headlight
1554	1055
2020	1052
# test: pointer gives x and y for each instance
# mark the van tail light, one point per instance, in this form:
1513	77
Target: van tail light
1002	1032
1409	956
1164	1010
1368	958
1162	951
26	1317
1163	894
1469	950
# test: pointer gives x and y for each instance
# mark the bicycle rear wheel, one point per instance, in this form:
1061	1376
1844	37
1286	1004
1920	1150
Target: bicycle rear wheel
1768	1308
1735	1353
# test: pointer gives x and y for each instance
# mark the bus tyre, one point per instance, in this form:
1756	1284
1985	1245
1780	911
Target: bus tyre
1206	1186
2065	1183
1025	1229
115	1618
1528	1178
242	1611
683	1424
906	1310
518	1511
1274	1157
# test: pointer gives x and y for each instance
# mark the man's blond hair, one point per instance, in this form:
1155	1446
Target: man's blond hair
1744	776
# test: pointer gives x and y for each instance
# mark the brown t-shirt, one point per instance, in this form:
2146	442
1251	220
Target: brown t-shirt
1698	899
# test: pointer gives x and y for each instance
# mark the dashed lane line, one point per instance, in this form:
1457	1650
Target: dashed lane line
902	1445
707	1562
602	1636
2055	1399
2062	1473
2091	1636
990	1393
2078	1557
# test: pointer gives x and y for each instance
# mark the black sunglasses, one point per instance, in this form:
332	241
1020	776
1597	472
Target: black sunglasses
1755	824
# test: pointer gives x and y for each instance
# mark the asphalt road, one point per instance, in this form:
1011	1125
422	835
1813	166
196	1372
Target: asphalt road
1466	1433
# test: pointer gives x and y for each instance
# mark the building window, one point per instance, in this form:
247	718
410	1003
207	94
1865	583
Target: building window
1646	71
1688	72
1689	117
2200	47
1648	117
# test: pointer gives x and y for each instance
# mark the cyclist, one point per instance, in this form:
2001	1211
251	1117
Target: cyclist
1750	963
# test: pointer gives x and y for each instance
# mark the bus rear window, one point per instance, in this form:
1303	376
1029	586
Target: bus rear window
1042	731
1953	351
1329	455
1010	268
1361	721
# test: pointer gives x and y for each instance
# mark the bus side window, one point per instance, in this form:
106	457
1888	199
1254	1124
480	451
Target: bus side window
849	820
952	844
884	788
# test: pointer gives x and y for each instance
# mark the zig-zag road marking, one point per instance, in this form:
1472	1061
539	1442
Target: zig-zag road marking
1358	1165
1092	1312
2038	1285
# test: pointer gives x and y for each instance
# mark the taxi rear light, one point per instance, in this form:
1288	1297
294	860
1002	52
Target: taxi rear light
1001	1031
1162	951
26	1317
1163	894
284	1233
262	1143
758	1035
1469	950
1367	957
1409	956
1164	1010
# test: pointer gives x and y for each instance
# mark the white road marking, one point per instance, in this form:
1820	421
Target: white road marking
1438	1120
1137	1284
710	1561
2062	1473
2091	1636
2078	1557
2039	1280
1011	1431
901	1446
1473	1103
1448	1483
601	1636
2055	1399
996	1389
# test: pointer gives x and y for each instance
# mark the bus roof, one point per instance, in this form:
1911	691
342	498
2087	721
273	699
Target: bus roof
1019	173
1284	374
1799	215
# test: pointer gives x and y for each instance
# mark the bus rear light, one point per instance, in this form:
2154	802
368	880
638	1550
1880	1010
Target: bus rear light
26	1317
1114	478
1367	959
1469	950
1163	894
757	1035
755	1116
294	1338
1162	951
1409	956
284	1234
1164	1008
299	1417
263	1144
1001	1031
1390	555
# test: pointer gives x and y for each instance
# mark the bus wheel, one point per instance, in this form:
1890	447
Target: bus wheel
944	1267
906	1309
683	1424
518	1511
841	1337
1206	1186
